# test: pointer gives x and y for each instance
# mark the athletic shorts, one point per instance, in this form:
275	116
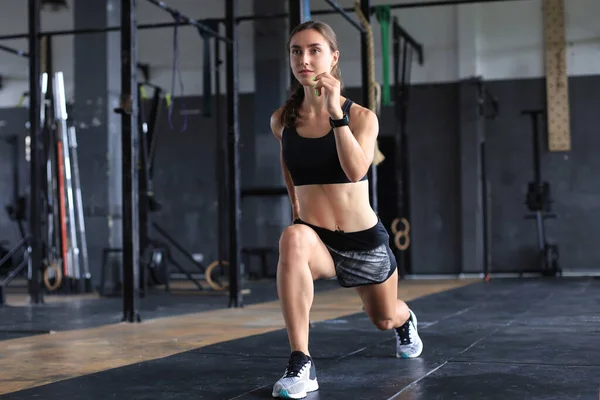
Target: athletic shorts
360	258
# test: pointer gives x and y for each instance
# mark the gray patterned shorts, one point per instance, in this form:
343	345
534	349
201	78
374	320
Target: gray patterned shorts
360	258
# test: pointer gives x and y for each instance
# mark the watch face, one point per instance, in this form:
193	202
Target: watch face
339	122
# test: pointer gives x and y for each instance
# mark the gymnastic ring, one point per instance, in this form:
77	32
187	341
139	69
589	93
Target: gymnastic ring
395	225
59	277
214	285
401	246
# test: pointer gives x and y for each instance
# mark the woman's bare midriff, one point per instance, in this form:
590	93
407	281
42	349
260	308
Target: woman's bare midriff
343	207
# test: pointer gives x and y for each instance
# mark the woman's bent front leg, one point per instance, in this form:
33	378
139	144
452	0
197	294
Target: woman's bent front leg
303	258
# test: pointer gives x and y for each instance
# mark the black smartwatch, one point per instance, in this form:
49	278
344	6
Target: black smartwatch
336	123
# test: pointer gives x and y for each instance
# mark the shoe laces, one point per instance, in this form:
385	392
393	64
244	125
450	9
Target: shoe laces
296	364
403	333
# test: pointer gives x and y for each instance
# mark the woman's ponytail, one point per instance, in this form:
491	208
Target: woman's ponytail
291	108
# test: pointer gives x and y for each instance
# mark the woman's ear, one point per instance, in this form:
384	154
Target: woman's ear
336	57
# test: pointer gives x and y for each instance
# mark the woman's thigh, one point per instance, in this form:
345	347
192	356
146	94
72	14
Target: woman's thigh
300	244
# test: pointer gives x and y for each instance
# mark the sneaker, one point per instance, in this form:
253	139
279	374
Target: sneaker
408	342
300	378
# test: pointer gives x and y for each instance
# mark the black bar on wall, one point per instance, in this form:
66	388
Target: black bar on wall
180	17
296	16
151	138
222	162
146	127
14	51
365	73
49	69
233	134
14	142
346	16
402	56
143	208
35	194
422	4
129	133
299	12
88	31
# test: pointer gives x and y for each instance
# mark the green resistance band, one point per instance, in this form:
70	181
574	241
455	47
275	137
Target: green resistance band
383	14
143	93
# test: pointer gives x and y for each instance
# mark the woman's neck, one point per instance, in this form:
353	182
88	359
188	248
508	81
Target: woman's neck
313	104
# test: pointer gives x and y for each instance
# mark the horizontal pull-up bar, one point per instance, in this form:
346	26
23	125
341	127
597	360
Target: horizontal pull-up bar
444	3
14	51
178	16
422	4
241	19
372	9
98	30
345	15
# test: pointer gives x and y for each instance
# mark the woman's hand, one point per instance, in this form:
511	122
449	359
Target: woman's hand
329	87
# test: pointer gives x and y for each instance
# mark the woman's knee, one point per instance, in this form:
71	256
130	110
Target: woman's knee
295	239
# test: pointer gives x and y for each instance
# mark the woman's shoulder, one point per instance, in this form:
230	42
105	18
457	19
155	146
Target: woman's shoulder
359	111
276	123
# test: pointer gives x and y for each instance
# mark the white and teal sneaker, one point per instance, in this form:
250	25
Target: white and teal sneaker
300	378
408	342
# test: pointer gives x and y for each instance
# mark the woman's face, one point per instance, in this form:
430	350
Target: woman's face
310	55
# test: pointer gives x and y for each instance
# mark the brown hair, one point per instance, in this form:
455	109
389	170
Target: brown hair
290	113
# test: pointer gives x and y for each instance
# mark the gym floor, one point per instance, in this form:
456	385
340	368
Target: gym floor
504	339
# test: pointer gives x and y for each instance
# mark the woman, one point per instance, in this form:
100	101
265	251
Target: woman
327	146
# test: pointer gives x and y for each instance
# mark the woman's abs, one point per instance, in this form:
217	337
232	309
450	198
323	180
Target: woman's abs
343	207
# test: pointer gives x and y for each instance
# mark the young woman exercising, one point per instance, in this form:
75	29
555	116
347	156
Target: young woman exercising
327	146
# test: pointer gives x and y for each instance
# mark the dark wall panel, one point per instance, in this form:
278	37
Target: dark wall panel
93	173
435	179
12	132
9	233
573	176
434	175
185	174
432	129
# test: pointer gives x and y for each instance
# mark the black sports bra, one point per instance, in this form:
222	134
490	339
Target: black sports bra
313	161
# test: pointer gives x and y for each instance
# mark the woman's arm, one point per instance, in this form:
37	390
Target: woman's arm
356	145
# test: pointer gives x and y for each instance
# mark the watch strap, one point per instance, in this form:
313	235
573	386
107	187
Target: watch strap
336	123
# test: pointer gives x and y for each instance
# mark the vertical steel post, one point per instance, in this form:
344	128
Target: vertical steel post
365	70
402	65
233	135
299	12
129	141
36	143
222	162
143	198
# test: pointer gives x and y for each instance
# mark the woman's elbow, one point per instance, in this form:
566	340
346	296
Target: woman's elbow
357	170
358	174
